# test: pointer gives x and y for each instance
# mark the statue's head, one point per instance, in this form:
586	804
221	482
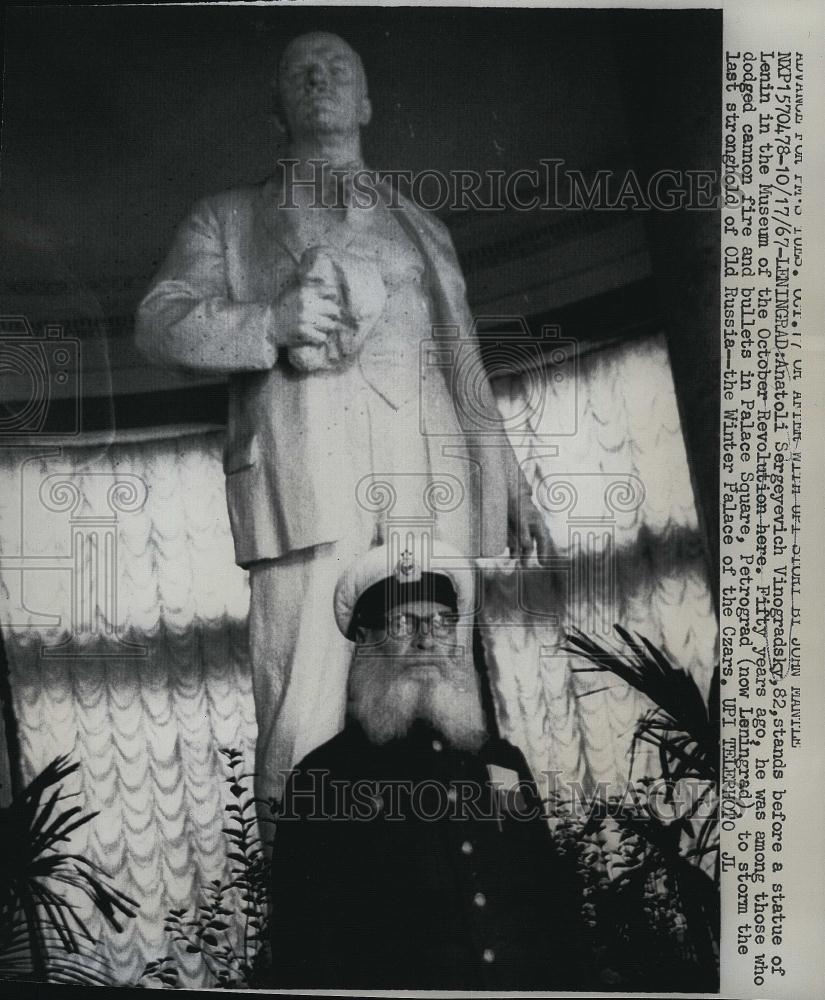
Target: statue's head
321	87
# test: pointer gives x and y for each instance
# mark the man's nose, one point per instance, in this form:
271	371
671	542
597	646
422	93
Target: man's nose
424	638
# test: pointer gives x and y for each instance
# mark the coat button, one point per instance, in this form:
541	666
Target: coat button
466	847
489	955
438	746
480	899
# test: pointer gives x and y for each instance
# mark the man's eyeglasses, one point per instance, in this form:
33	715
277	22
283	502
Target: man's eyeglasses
405	624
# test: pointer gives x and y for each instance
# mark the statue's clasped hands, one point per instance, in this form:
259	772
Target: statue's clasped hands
328	313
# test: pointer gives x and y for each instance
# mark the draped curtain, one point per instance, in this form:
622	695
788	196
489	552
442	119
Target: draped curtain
124	619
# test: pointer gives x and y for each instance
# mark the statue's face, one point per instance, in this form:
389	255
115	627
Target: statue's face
322	87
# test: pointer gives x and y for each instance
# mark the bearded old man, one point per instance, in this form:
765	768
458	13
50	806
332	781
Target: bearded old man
412	850
316	306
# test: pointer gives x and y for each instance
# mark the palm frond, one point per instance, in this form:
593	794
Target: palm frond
675	693
39	927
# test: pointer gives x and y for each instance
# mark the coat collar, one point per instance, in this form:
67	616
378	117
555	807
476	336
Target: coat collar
420	739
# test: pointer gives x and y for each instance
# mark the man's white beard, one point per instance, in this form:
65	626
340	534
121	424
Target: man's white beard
386	697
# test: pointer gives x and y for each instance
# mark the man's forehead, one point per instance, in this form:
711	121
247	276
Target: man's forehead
318	43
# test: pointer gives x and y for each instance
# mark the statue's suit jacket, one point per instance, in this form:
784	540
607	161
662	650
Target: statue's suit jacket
210	308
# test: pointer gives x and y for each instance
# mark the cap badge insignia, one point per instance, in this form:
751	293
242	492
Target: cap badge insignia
406	564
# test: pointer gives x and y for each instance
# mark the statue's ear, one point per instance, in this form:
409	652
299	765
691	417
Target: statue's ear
365	113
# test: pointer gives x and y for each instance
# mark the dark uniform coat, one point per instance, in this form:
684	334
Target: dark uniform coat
384	878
